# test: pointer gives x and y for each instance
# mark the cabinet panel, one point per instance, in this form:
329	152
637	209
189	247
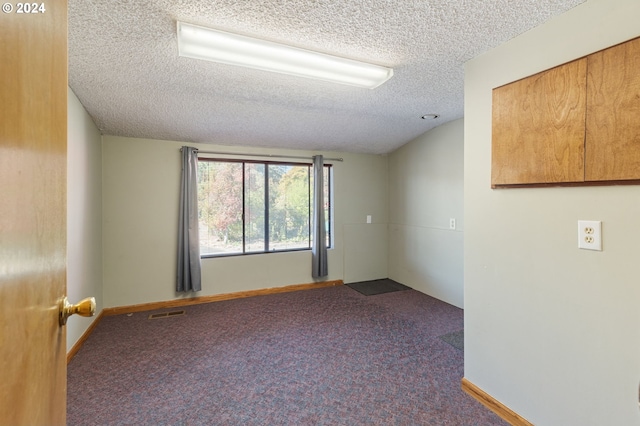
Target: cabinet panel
613	113
538	127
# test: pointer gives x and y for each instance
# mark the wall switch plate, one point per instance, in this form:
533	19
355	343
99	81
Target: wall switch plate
590	235
452	223
368	218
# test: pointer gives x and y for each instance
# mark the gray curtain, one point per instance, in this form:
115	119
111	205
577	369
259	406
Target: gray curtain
189	276
319	266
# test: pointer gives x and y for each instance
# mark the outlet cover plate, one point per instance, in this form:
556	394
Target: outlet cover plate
590	235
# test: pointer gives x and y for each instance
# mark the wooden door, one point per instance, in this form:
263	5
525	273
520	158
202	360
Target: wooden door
33	133
613	111
538	127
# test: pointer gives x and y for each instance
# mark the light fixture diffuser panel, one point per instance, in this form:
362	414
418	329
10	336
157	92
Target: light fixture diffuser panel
234	49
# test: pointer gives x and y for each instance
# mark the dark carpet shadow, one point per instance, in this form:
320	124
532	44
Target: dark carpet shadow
455	339
371	288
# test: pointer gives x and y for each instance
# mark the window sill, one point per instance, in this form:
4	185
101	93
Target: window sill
222	255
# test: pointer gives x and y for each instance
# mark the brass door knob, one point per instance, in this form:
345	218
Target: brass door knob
85	308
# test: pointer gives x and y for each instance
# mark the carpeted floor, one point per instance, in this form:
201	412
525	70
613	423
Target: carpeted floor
328	356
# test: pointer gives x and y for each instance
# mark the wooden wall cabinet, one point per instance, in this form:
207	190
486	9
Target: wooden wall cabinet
578	123
613	113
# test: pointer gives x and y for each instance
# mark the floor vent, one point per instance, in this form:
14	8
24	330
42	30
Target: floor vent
166	314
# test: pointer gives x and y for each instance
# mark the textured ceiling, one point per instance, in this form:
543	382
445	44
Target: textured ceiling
124	68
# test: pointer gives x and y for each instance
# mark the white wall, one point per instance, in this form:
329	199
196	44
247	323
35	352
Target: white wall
140	216
84	214
425	191
550	330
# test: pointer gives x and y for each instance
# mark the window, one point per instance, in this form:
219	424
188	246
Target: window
247	207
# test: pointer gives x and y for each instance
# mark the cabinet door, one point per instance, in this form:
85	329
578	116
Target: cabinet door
538	127
613	113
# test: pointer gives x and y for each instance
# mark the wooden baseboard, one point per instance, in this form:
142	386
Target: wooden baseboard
216	298
494	405
74	350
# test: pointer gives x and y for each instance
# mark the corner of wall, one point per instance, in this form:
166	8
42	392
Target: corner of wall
425	191
84	214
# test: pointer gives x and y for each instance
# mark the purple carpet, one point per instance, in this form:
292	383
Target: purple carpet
329	356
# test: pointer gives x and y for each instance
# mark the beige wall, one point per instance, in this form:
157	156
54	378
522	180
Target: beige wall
140	215
550	330
84	214
425	191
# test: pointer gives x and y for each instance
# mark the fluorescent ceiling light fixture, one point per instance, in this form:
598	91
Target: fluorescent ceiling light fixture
233	49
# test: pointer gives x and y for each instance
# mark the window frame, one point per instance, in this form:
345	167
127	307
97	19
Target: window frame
266	163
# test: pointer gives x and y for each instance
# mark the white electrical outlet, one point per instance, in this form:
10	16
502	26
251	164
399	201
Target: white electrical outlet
368	218
590	235
452	223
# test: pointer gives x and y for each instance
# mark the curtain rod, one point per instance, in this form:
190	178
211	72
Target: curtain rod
264	155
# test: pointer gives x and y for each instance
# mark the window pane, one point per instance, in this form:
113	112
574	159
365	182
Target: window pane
220	207
288	207
254	207
272	214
